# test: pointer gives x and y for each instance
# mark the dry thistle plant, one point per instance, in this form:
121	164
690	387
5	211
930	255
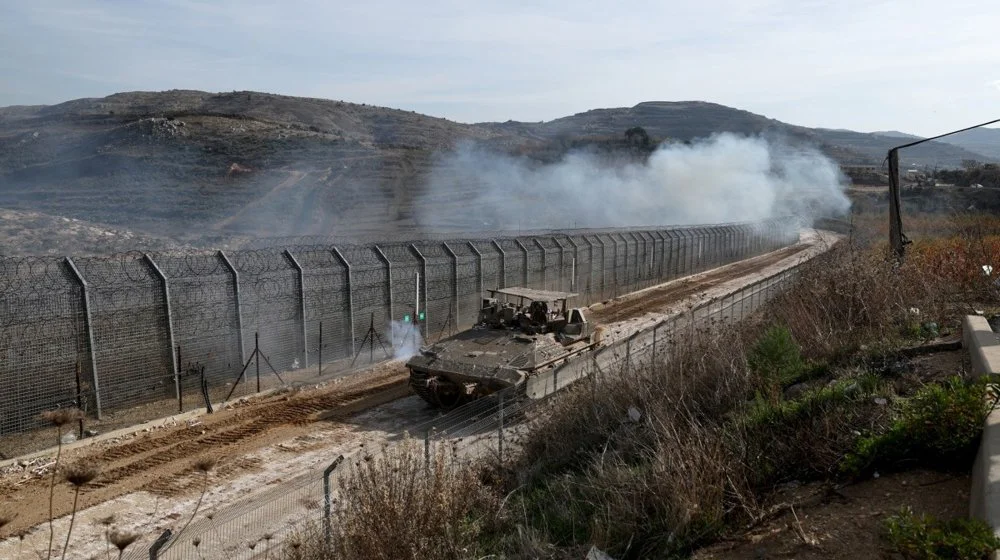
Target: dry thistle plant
122	540
78	475
58	418
106	522
203	465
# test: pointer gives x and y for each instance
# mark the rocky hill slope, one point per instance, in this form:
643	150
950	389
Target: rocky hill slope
201	167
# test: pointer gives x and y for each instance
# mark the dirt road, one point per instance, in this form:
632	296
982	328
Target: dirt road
653	299
161	461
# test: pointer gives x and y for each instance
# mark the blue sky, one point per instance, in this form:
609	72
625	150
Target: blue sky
919	66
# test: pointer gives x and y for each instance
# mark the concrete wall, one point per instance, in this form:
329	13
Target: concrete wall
984	351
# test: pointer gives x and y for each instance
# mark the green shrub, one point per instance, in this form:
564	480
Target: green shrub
925	538
776	357
807	438
938	427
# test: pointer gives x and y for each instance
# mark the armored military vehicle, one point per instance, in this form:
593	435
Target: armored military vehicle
520	332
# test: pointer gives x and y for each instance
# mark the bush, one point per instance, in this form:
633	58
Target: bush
393	506
938	427
776	357
806	438
925	538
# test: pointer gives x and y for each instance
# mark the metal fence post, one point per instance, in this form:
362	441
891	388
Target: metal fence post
388	271
302	307
170	328
350	293
423	277
454	280
573	267
479	273
545	262
605	285
503	264
154	549
327	500
88	325
500	430
561	284
239	303
524	270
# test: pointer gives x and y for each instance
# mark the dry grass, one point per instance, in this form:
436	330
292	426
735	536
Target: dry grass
650	461
425	507
59	418
78	476
393	506
703	458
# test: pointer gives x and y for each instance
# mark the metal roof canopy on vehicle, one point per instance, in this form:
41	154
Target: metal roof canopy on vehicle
533	295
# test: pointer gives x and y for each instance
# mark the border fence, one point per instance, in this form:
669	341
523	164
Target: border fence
260	525
178	328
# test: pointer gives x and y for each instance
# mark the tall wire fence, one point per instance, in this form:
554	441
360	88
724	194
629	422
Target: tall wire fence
172	330
261	524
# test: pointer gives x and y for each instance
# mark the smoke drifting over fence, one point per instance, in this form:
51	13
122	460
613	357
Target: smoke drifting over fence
724	178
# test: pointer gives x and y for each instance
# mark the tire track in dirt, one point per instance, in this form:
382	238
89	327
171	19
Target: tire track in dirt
162	463
638	304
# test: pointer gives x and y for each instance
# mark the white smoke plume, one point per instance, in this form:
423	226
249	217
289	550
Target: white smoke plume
406	340
724	178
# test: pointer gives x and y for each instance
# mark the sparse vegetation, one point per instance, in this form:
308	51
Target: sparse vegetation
706	456
58	418
922	537
432	511
122	540
78	476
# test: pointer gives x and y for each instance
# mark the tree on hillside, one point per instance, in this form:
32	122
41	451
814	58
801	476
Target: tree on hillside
637	137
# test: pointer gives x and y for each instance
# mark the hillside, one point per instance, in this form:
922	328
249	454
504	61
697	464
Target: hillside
199	167
983	141
184	163
688	120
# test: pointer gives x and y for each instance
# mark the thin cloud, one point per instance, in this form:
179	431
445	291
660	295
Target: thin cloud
837	65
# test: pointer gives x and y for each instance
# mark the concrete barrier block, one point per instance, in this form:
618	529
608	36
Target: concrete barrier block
983	345
984	350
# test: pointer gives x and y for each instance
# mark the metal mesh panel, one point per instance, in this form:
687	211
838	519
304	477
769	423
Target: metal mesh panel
271	308
370	288
440	291
405	268
536	262
610	271
132	350
584	280
206	329
513	263
42	340
567	264
327	304
468	278
551	263
492	271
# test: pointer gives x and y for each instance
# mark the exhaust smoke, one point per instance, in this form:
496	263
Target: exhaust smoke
406	340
